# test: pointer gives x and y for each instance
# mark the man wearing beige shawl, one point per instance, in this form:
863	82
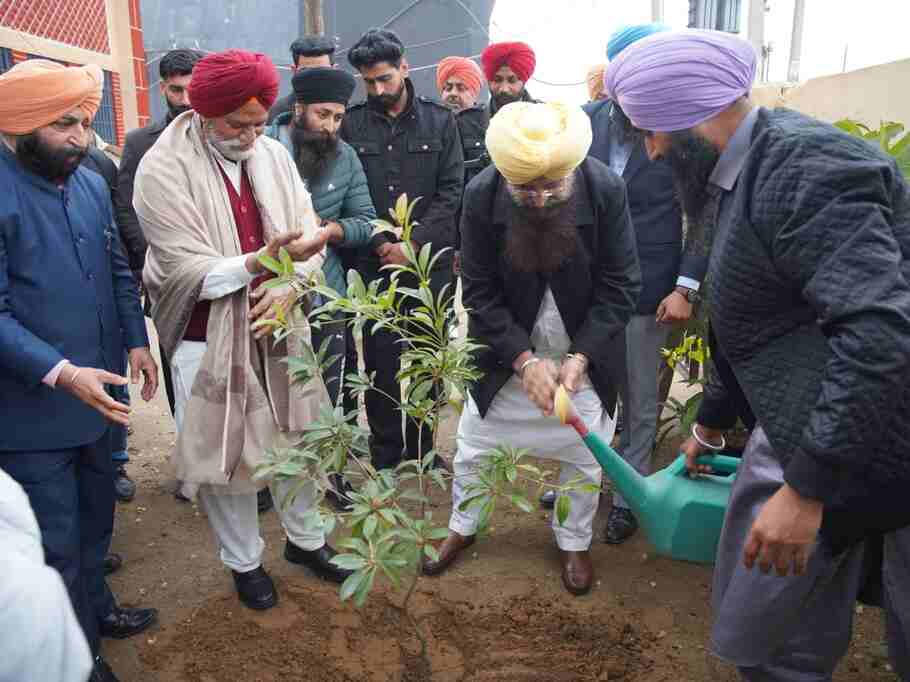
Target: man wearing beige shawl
211	196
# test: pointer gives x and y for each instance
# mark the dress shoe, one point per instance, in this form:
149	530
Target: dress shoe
112	563
448	552
256	589
264	500
548	500
339	494
178	493
621	525
122	622
318	560
124	488
101	672
577	571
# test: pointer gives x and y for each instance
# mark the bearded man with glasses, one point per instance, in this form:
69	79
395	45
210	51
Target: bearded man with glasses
551	278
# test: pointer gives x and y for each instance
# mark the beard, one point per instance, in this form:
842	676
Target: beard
453	103
542	239
47	162
232	150
692	159
174	110
503	98
313	150
388	101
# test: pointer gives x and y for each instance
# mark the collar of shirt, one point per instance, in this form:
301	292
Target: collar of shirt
732	159
233	169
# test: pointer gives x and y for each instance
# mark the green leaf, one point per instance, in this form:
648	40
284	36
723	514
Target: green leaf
351	584
431	552
348	562
271	264
286	260
369	526
363	590
522	503
438	534
562	509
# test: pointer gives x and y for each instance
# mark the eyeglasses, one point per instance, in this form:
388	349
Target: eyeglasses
553	191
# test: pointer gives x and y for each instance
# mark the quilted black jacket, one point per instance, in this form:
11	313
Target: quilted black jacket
810	304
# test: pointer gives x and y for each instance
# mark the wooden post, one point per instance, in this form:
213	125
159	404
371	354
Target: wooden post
314	22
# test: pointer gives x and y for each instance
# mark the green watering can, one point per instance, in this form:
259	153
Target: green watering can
682	516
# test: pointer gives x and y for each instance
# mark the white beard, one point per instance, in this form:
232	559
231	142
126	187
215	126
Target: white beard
232	149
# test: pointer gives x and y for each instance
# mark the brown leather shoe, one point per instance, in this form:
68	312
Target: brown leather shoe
448	552
577	571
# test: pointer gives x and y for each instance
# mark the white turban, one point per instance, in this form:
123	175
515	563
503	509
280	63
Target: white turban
528	140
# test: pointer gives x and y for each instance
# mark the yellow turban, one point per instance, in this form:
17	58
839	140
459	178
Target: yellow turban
528	140
37	92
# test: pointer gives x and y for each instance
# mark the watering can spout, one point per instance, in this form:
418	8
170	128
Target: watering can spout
634	487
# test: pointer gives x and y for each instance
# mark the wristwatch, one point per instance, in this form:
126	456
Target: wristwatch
692	296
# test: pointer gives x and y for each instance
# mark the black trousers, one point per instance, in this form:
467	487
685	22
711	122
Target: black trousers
341	343
382	355
72	494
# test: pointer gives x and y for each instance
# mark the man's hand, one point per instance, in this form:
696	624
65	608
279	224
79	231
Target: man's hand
335	232
674	309
271	249
539	383
142	363
303	249
395	255
784	533
87	384
268	301
692	449
573	371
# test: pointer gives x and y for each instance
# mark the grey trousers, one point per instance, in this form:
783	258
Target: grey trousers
645	338
794	628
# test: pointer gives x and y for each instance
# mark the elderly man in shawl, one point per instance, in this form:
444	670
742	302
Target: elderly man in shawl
69	310
212	195
550	279
808	231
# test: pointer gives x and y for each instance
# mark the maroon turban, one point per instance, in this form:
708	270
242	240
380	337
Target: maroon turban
517	56
225	81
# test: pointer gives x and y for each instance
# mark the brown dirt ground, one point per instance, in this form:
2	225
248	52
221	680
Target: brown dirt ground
501	613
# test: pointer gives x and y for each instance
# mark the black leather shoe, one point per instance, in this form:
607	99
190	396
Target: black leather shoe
122	622
256	589
548	500
101	672
124	488
318	561
264	500
621	525
338	496
112	563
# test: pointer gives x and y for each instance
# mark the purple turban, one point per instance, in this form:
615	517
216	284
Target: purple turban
674	81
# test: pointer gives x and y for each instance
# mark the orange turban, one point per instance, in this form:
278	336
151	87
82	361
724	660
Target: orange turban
517	56
595	80
225	81
37	92
459	67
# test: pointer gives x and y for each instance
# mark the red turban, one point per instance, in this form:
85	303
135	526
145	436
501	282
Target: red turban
517	56
225	81
459	67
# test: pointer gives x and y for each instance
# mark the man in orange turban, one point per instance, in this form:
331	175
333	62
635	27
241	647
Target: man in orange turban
69	311
458	80
508	66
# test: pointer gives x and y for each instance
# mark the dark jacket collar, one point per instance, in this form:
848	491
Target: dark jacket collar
525	97
502	202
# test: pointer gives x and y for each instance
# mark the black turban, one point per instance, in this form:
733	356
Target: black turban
323	84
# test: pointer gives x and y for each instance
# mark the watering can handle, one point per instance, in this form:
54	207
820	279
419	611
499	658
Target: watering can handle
723	464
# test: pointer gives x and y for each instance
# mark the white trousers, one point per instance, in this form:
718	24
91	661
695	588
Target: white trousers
235	518
515	421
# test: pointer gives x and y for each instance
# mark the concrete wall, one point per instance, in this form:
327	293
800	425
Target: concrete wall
870	95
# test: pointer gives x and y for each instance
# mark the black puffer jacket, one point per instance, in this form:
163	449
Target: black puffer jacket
809	284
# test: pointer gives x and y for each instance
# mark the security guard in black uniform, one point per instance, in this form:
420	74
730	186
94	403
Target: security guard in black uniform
407	144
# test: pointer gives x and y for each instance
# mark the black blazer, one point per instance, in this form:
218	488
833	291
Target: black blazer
138	142
656	214
595	291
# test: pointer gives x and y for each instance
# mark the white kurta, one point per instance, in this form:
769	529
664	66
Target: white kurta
515	421
40	637
234	517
